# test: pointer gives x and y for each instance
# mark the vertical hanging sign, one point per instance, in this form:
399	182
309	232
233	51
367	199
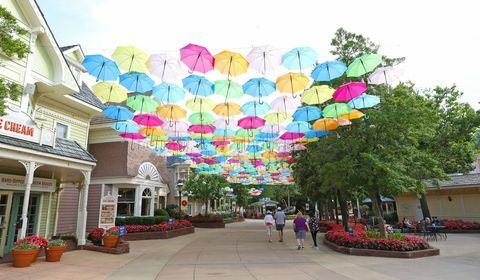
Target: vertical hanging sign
108	212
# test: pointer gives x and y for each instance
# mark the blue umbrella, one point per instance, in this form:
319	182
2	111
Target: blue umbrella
206	146
101	67
180	138
221	159
223	132
307	113
299	58
328	71
364	101
198	85
208	153
298	127
118	113
264	136
254	149
168	93
126	127
255	108
136	82
316	134
258	87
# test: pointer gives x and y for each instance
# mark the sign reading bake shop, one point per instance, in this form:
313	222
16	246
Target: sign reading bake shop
19	125
14	182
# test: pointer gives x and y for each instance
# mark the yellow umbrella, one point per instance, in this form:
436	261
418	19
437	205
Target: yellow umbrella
152	131
317	95
110	92
227	109
292	82
277	118
223	149
130	59
230	63
352	115
200	104
171	112
325	124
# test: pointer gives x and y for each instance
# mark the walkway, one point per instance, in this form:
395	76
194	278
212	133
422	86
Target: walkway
240	252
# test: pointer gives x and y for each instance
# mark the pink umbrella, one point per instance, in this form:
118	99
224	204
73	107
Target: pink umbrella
197	58
251	122
349	91
221	143
148	120
193	152
284	155
233	160
204	129
198	160
133	136
290	160
210	161
174	146
291	135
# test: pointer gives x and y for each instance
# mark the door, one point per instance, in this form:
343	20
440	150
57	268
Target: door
5	204
15	223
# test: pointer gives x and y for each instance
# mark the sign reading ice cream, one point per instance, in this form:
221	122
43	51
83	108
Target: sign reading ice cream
16	127
20	126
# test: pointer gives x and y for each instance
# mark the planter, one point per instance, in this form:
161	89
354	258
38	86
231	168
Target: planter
110	241
35	256
208	224
54	253
23	258
159	234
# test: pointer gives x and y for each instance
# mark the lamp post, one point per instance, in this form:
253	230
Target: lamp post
180	188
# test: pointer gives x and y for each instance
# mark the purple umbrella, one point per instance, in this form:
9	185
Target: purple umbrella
196	58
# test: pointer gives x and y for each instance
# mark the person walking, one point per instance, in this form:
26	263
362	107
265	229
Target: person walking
314	228
300	226
268	220
279	223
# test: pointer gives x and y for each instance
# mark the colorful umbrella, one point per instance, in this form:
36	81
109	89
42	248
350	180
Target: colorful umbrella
230	63
201	128
110	92
258	87
228	88
317	95
291	136
352	115
327	71
299	58
164	66
364	101
133	136
385	75
130	59
174	146
325	124
316	133
142	103
255	108
117	113
363	64
336	109
198	85
171	112
154	132
227	109
298	127
284	104
125	127
277	118
200	104
292	83
176	126
307	113
101	67
147	120
168	93
224	124
201	118
349	91
264	58
251	122
196	58
136	82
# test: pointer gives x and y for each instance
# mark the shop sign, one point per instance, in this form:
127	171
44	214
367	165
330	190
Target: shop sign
107	211
14	182
20	126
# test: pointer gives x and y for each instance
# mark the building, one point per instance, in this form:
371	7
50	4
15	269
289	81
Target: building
44	165
130	179
456	199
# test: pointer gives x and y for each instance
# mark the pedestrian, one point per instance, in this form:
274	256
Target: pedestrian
314	228
268	220
300	226
280	223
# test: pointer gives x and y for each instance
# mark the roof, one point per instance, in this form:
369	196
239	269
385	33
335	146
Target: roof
86	95
63	147
458	180
66	48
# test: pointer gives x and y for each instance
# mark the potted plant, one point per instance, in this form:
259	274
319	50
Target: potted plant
36	240
23	254
54	250
110	239
96	236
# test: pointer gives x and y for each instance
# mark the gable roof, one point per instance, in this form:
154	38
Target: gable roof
458	180
86	95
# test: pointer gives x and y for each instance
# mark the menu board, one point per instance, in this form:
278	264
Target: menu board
107	212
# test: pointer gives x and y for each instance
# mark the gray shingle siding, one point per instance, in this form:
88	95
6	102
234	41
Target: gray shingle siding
86	95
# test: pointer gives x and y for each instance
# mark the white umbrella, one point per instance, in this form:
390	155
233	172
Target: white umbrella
264	58
285	104
385	75
225	124
164	66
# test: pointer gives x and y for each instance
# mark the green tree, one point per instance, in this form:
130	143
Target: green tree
206	187
241	195
12	47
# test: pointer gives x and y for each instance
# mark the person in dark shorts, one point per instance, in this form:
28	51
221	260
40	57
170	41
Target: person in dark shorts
314	228
280	223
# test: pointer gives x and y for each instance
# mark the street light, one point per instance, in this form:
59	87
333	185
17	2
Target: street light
180	188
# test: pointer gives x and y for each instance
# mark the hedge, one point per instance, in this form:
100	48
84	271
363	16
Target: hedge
142	221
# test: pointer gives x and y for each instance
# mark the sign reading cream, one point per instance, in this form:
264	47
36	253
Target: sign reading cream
14	182
108	211
20	126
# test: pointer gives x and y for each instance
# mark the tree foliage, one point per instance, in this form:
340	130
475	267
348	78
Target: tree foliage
12	46
206	187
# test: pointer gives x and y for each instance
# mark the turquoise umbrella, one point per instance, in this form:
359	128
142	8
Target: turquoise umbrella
168	93
136	82
299	58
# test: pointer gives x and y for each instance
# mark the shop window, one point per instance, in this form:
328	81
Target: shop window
146	202
126	202
62	130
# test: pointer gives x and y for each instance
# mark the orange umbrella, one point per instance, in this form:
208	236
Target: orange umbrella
325	124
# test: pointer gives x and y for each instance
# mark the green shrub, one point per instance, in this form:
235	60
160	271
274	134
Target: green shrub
372	234
161	212
141	221
391	218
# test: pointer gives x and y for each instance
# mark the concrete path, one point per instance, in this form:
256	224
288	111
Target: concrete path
241	252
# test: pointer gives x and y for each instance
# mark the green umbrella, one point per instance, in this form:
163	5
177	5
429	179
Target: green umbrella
364	64
336	109
269	146
142	103
229	89
201	118
241	132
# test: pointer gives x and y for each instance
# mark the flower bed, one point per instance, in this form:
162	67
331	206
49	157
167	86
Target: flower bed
207	221
461	226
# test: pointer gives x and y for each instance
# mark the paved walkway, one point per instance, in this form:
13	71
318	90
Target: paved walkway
241	252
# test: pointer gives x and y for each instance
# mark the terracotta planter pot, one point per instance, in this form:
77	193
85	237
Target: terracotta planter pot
110	241
37	252
54	253
23	258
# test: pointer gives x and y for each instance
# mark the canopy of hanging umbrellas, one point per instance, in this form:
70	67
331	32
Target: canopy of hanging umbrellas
246	123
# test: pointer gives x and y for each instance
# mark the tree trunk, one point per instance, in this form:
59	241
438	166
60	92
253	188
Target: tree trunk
424	205
206	207
377	209
343	208
335	199
320	209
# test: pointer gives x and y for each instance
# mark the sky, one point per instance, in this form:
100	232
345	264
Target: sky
438	38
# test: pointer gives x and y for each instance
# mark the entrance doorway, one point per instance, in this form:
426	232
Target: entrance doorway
15	221
5	205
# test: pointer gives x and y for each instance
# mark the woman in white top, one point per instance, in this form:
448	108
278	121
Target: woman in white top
268	220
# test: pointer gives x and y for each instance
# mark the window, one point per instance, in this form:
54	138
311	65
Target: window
126	202
146	201
62	130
